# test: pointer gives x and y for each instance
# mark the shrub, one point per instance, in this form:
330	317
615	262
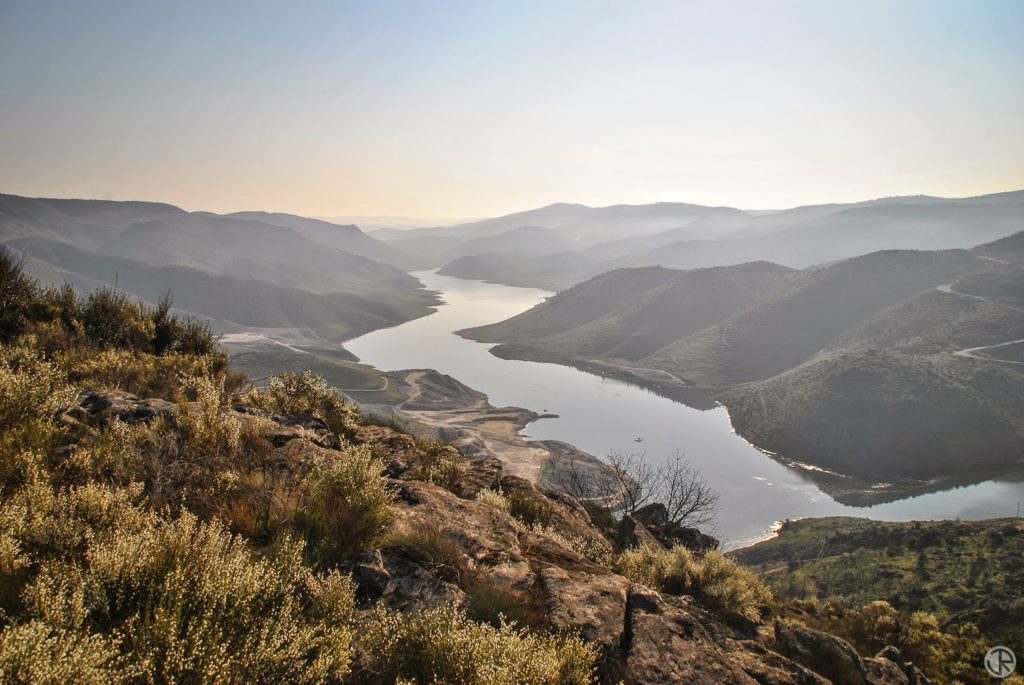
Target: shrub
140	374
191	460
32	393
184	600
18	292
714	580
438	464
591	549
111	454
306	394
38	654
443	645
493	498
951	656
431	548
348	505
110	318
205	419
529	510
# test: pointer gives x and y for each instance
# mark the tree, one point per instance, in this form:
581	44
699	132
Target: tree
629	482
17	293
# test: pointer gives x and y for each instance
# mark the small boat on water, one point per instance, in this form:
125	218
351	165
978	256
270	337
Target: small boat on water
638	439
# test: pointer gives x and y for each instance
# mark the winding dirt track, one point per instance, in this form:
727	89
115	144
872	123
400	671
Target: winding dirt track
970	351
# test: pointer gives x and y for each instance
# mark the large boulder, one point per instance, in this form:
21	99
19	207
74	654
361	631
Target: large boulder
669	643
595	605
825	654
116	404
889	665
400	450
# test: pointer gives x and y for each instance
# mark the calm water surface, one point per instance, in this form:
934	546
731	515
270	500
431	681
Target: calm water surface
602	415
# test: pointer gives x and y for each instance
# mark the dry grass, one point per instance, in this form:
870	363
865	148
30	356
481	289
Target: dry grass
716	581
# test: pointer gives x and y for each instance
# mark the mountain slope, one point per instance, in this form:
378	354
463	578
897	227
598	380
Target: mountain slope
798	238
881	415
229	269
571	226
348	238
162	235
245	302
783	330
631	313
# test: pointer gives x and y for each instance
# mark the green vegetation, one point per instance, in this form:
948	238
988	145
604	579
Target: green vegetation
346	508
185	547
963	573
952	655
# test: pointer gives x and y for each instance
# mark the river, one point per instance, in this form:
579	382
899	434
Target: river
602	415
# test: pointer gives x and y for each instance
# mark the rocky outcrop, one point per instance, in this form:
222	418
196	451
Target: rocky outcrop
825	654
443	545
838	662
672	534
116	404
631	533
667	642
889	667
594	605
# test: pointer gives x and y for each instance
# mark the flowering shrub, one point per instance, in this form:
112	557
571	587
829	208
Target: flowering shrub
443	645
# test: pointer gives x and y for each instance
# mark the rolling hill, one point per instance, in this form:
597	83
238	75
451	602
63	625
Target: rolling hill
347	238
234	271
893	367
245	302
788	327
632	313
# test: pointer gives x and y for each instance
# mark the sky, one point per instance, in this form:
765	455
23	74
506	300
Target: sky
472	109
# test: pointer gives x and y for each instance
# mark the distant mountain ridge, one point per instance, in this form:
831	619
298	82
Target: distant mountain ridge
237	270
587	241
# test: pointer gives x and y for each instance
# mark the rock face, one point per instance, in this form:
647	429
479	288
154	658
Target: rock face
444	544
669	643
116	404
822	653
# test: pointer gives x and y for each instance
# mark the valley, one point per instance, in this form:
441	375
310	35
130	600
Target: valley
897	352
812	363
599	413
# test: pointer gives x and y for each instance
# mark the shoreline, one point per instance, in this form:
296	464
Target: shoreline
464	417
844	489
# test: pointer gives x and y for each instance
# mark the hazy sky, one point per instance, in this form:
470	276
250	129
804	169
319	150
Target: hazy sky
481	108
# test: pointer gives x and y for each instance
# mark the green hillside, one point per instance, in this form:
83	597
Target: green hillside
961	571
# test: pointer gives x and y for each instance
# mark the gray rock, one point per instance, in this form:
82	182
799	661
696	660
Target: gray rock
825	654
668	643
